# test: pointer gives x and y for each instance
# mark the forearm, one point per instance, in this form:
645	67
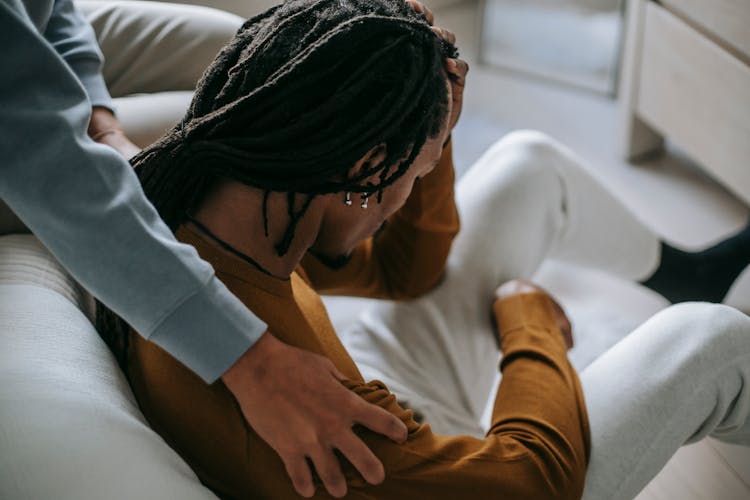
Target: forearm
408	257
105	128
84	202
540	400
417	240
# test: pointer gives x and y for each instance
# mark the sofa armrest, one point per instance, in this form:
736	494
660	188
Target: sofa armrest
69	425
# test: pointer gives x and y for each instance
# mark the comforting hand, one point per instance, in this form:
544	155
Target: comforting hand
295	401
105	128
516	287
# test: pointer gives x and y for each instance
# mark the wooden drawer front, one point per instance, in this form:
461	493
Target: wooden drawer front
698	95
729	20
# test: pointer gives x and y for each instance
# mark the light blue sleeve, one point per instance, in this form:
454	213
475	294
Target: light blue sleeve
85	203
74	39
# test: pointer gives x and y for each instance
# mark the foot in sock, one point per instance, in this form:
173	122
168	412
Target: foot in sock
706	275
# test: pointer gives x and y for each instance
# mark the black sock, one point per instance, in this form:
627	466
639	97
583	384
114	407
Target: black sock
706	275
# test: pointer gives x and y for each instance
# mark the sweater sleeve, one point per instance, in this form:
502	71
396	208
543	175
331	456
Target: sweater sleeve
85	204
74	39
537	446
407	258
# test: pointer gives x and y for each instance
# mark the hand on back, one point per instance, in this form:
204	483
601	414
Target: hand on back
295	401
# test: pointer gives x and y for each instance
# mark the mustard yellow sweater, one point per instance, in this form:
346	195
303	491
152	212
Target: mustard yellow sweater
537	447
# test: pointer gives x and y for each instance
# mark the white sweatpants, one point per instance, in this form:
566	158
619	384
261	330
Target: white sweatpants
677	378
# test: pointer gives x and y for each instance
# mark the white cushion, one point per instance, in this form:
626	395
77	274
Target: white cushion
146	117
69	424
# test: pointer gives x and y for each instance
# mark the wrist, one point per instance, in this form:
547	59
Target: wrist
100	136
102	123
106	129
252	361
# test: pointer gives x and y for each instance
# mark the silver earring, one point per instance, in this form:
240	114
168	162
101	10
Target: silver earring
364	201
348	199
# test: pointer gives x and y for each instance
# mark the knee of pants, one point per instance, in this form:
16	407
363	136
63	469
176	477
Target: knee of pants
526	155
511	205
709	333
531	143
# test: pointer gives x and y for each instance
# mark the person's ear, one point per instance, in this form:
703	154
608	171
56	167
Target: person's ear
368	161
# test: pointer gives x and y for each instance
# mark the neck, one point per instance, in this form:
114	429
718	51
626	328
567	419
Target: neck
233	212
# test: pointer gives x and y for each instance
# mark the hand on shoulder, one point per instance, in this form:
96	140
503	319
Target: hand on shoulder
281	388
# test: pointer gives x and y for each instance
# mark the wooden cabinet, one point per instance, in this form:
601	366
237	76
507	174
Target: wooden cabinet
687	77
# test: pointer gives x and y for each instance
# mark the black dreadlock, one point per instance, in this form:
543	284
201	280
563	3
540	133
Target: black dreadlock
301	93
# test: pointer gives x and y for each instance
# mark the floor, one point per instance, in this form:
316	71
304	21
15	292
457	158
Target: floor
669	192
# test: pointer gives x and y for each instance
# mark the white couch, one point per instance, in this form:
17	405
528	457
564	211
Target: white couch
70	427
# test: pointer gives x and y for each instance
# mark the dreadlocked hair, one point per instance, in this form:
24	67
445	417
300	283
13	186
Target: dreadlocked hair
301	93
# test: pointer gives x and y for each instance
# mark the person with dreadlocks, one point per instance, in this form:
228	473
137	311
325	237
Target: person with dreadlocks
84	202
320	121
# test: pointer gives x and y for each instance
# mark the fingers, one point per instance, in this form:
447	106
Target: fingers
300	390
381	421
457	70
364	460
334	371
329	470
446	35
373	417
421	8
299	473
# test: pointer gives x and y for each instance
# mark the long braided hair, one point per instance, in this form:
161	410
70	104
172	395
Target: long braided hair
301	93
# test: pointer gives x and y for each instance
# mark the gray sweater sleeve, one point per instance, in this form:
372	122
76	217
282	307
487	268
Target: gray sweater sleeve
85	203
74	39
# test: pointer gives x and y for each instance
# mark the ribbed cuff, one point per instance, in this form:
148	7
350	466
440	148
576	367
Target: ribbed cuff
89	73
209	331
